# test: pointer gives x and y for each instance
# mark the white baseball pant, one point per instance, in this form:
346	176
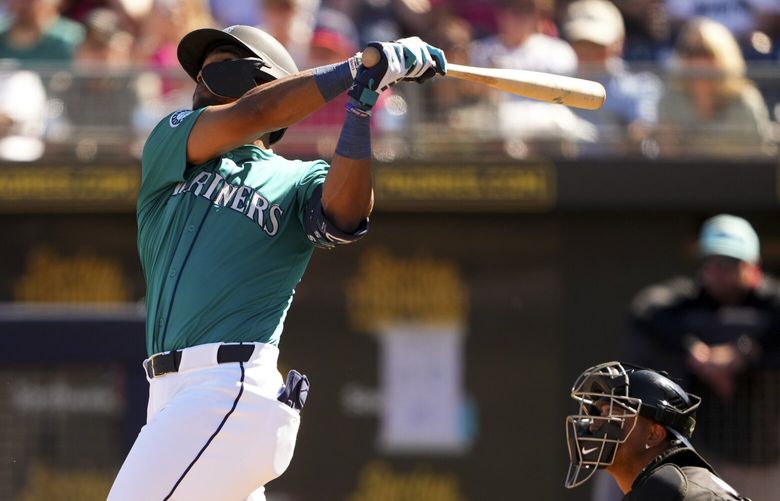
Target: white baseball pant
213	431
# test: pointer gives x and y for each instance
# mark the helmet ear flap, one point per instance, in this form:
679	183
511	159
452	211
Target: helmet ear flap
234	78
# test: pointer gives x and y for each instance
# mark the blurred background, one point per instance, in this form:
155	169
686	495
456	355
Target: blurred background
509	245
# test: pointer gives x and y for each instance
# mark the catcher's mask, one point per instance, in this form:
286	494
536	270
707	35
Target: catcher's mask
610	397
263	59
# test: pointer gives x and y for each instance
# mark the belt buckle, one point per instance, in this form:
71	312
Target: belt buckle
150	363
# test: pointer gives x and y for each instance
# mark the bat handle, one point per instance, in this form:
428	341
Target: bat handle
370	57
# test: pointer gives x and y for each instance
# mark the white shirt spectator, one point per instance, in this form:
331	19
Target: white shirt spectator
523	118
23	113
539	53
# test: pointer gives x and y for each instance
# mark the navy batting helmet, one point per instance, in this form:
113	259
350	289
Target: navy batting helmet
264	59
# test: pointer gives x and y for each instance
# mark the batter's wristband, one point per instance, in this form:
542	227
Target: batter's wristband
357	110
355	139
334	79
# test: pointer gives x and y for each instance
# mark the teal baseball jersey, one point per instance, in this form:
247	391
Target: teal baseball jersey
222	244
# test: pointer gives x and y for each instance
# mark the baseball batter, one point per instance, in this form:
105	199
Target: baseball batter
225	231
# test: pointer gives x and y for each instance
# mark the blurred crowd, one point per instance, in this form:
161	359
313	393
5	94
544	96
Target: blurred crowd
684	78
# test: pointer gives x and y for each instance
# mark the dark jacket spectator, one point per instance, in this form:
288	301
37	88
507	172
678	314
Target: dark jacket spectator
722	333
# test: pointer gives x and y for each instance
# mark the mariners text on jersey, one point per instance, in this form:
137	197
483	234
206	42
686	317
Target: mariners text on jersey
243	199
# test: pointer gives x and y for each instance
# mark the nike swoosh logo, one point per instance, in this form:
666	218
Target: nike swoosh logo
588	451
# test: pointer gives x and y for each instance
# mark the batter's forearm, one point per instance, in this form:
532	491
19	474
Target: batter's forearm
347	196
283	102
289	100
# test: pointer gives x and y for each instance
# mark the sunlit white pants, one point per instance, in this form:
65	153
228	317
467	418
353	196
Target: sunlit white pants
214	432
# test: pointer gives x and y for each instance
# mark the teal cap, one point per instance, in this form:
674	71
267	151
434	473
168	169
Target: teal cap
726	235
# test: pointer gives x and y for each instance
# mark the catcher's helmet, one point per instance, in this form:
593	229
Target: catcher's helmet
264	59
610	396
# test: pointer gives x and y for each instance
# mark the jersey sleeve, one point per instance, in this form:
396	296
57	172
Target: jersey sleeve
164	157
313	177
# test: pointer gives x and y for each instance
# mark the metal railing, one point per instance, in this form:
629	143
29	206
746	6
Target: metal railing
100	114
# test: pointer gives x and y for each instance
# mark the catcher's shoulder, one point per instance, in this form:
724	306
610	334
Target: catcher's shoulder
667	482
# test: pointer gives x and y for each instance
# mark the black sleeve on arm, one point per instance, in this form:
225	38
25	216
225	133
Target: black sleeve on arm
320	231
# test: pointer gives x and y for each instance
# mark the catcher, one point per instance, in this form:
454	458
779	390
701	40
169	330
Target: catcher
636	424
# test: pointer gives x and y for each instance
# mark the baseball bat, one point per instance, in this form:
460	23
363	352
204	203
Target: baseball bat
569	91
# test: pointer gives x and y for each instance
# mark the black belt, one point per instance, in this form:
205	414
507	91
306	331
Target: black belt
164	363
